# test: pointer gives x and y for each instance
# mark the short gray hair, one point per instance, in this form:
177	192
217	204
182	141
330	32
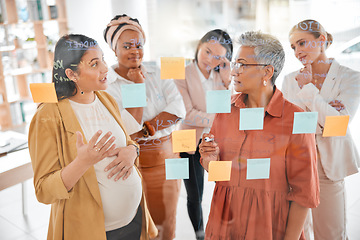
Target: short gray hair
267	49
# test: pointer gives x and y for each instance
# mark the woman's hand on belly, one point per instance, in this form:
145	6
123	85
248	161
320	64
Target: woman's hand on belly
94	151
123	163
87	156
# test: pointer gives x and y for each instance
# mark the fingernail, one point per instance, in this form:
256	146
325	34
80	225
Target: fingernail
99	131
109	176
106	169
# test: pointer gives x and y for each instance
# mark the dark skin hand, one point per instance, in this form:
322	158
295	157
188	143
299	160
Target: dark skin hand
161	121
209	151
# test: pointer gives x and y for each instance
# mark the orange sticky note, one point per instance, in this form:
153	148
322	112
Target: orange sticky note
43	92
219	171
172	68
184	140
335	126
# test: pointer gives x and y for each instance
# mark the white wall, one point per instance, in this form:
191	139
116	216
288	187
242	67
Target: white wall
90	17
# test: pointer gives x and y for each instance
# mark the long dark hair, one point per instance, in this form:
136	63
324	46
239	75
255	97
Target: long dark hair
219	36
69	51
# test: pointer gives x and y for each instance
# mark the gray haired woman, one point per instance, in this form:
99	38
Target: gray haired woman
273	173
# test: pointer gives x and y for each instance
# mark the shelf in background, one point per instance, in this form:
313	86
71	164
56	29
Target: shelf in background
26	70
19	99
12	47
34	21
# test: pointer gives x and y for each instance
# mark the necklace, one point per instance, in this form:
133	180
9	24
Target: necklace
318	80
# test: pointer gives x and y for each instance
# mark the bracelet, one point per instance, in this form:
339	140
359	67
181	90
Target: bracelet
137	149
145	131
150	128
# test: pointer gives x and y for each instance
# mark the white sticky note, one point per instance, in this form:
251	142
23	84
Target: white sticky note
258	168
251	119
177	168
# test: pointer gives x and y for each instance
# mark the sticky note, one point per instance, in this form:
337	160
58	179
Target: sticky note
43	92
172	68
184	140
177	168
258	168
133	95
335	126
219	170
218	101
251	119
305	122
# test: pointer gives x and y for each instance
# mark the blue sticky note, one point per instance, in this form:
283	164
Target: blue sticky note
305	122
177	168
258	168
218	101
133	95
251	119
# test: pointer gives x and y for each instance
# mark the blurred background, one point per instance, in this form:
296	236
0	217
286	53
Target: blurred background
29	30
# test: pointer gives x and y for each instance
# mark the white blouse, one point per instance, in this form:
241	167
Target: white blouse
208	85
161	96
120	199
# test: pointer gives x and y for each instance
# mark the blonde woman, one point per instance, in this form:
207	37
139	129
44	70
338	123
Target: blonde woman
326	87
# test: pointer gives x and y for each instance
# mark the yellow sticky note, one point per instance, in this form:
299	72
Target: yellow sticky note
172	68
184	140
219	171
335	126
43	92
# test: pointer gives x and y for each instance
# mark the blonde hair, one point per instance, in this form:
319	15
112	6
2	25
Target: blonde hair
314	28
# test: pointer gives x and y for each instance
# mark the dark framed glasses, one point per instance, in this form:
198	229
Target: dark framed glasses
237	66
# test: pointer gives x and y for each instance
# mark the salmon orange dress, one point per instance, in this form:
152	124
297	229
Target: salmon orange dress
257	209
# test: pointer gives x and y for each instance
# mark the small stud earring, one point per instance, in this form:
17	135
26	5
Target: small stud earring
265	83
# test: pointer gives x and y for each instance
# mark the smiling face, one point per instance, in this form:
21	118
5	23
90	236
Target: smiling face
129	49
209	55
248	79
306	47
92	71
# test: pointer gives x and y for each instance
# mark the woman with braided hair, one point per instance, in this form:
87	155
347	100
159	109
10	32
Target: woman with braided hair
150	126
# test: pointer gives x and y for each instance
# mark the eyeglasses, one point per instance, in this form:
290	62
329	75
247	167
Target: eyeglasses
237	66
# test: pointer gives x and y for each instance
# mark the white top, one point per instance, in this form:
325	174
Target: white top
338	155
120	199
208	85
161	96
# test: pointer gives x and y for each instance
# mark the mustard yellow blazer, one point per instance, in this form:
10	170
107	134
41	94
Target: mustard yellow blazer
77	214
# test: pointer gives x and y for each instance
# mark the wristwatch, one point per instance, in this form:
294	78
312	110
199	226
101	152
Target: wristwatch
137	149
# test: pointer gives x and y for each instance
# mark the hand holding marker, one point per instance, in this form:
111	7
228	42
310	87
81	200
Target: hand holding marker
207	139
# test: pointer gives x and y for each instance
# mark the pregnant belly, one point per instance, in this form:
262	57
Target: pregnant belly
120	198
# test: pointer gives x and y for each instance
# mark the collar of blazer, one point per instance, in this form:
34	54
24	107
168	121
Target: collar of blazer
72	126
330	79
